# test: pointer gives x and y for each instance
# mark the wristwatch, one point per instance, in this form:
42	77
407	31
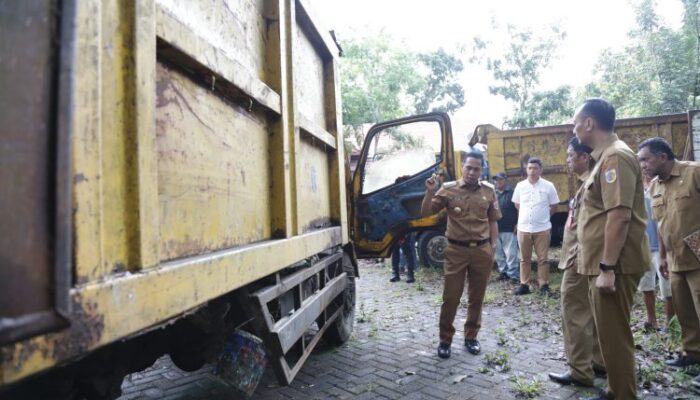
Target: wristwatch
606	268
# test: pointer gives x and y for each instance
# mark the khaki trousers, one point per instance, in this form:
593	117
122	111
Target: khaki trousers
580	336
540	241
473	264
685	287
611	313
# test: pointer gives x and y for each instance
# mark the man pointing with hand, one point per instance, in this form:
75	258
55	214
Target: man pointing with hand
472	233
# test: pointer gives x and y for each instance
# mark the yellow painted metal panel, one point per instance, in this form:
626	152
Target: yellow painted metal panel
496	156
111	310
213	176
561	183
145	166
238	28
512	152
680	138
309	83
313	187
119	156
338	179
223	65
165	169
87	147
551	149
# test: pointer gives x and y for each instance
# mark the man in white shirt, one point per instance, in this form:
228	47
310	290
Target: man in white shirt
535	198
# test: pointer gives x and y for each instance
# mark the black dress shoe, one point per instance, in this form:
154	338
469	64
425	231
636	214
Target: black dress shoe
567	379
473	346
682	362
521	290
395	278
502	277
544	291
444	350
410	278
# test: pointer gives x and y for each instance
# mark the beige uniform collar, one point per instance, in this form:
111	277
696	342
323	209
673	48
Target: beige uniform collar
584	175
597	153
675	171
462	183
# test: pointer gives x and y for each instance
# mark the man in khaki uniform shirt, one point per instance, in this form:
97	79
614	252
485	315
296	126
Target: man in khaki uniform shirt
675	200
613	247
472	233
580	341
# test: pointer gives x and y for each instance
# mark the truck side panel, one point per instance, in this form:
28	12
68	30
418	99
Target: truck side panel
213	169
197	168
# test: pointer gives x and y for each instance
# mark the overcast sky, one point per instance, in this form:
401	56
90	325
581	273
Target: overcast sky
591	26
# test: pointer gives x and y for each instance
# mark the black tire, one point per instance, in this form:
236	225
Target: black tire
431	248
340	330
187	361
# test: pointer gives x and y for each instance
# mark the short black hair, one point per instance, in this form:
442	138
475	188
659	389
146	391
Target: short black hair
658	146
535	160
474	154
579	148
601	111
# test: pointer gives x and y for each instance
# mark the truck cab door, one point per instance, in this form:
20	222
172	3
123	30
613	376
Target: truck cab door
389	183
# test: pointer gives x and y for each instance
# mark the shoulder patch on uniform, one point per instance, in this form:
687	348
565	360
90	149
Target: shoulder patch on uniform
610	175
450	184
488	184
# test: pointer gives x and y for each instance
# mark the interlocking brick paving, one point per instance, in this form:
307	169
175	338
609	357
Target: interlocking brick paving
392	353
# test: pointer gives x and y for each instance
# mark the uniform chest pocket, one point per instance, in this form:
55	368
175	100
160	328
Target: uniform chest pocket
456	208
657	207
684	201
481	208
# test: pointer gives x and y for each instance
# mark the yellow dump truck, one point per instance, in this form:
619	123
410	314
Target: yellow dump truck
509	150
171	170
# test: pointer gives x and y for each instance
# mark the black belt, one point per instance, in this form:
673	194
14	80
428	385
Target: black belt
469	243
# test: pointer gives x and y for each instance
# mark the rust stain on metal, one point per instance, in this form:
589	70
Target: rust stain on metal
77	178
87	325
119	268
318	223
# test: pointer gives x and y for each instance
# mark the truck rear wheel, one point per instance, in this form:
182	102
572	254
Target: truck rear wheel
340	330
431	248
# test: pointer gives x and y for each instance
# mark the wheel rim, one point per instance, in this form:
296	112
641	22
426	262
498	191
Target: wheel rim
436	250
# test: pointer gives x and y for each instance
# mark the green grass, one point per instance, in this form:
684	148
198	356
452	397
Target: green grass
491	296
527	388
652	372
364	315
498	360
501	338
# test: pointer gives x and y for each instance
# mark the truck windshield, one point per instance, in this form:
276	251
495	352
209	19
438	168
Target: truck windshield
401	151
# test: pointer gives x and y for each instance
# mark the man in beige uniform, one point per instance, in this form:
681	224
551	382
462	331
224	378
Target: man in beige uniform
613	247
472	233
675	200
580	341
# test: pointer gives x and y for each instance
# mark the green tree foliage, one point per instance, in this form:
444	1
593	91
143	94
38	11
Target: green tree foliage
548	107
382	80
440	91
517	71
658	71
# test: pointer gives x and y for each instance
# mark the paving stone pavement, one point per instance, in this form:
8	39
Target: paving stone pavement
391	354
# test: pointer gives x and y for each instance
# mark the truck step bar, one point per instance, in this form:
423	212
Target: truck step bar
284	313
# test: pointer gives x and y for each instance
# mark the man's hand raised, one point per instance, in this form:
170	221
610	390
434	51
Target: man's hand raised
432	183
